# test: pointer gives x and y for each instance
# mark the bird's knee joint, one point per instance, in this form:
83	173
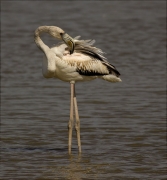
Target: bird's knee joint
69	125
77	126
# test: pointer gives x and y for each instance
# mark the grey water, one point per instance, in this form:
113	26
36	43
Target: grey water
123	125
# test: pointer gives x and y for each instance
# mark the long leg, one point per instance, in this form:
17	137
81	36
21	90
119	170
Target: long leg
70	124
77	122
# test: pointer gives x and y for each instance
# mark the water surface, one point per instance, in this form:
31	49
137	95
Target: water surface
123	125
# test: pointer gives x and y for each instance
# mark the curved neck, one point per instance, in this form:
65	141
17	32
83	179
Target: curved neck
38	40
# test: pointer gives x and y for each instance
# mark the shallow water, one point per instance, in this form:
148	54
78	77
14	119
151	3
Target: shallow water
123	125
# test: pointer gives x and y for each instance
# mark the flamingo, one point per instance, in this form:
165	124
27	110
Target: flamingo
73	60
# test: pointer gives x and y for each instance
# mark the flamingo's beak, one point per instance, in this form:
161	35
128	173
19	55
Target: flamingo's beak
68	41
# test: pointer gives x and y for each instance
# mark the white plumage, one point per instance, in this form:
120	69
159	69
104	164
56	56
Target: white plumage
72	61
64	66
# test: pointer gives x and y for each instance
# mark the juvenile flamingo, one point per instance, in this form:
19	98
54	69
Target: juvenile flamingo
72	61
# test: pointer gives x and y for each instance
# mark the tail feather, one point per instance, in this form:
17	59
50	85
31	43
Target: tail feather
111	78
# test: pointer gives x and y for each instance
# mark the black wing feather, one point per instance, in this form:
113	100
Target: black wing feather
85	47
